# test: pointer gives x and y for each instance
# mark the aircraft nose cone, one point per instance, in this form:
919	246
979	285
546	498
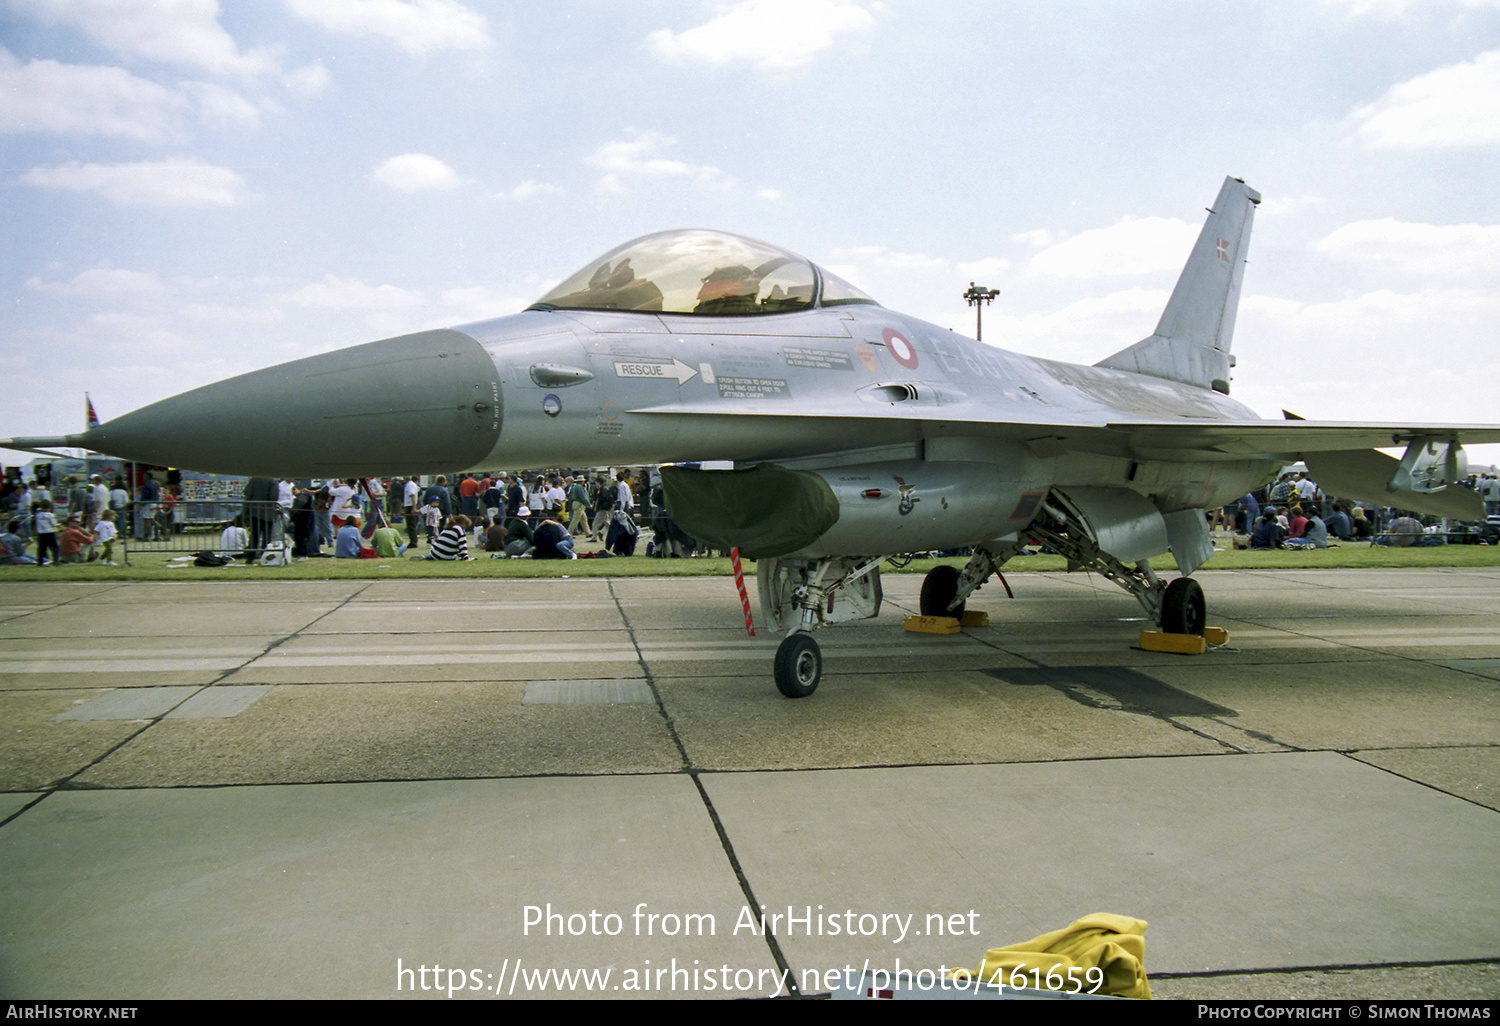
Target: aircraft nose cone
427	402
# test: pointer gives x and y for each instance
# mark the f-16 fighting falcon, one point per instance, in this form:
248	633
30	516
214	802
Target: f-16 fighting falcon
857	433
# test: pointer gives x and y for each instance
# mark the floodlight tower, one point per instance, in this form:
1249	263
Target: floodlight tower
978	297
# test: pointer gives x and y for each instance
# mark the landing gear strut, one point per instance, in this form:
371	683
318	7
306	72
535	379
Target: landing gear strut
1178	608
946	589
801	595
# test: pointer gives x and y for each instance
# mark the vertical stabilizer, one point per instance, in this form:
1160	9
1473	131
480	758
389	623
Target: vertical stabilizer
1191	343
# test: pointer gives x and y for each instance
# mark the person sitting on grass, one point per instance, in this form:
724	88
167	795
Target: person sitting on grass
1314	535
234	539
452	542
12	548
552	541
76	543
387	542
348	542
1267	533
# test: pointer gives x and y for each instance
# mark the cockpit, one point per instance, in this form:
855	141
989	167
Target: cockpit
696	271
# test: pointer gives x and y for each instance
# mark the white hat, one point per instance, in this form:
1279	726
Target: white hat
524	511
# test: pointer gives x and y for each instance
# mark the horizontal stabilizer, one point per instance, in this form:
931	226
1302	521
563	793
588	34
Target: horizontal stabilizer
1365	474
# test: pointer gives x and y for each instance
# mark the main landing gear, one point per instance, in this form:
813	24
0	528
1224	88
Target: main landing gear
801	595
1177	608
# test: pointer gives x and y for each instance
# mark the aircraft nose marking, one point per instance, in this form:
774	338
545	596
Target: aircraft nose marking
897	345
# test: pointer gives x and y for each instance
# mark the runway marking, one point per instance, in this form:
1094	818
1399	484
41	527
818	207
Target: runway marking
116	666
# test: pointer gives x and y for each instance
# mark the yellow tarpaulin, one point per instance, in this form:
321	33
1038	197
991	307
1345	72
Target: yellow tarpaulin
1114	944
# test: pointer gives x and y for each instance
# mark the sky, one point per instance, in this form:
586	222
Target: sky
193	189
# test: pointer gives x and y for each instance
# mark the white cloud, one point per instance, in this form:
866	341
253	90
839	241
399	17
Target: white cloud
308	81
1451	107
770	34
178	182
1134	245
1085	331
222	107
987	267
102	282
884	260
641	157
173	31
336	293
530	189
138	334
218	313
1038	238
1394	10
420	27
46	96
478	303
1457	250
1297	355
415	172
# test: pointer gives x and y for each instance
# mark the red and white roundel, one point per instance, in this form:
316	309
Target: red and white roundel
897	345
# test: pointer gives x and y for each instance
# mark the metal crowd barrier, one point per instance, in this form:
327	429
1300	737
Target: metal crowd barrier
191	526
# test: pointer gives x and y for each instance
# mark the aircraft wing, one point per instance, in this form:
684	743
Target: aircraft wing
1186	438
1341	456
1290	437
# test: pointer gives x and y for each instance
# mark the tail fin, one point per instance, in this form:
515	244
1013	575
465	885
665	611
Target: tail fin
1191	343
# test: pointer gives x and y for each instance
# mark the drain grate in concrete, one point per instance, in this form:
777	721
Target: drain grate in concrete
149	703
220	702
129	704
588	692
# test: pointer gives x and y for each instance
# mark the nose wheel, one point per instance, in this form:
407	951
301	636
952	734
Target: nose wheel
799	666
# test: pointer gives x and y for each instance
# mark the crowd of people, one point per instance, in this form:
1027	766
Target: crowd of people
544	515
549	515
1293	513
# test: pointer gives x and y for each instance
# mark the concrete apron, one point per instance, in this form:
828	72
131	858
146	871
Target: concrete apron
279	790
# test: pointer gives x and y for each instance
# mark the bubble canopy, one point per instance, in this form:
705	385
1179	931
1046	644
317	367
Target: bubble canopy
696	271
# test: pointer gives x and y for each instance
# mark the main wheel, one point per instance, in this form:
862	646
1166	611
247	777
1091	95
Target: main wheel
1183	610
938	589
799	666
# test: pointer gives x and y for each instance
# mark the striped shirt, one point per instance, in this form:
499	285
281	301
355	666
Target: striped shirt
451	543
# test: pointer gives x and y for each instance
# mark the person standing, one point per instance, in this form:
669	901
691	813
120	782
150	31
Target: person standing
146	497
515	496
44	526
100	501
411	509
468	494
578	505
262	511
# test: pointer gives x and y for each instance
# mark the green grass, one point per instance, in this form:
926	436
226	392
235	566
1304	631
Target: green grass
153	566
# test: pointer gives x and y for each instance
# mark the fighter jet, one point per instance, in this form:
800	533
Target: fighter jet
857	433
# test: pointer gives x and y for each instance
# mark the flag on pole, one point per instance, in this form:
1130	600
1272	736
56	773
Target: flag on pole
93	418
